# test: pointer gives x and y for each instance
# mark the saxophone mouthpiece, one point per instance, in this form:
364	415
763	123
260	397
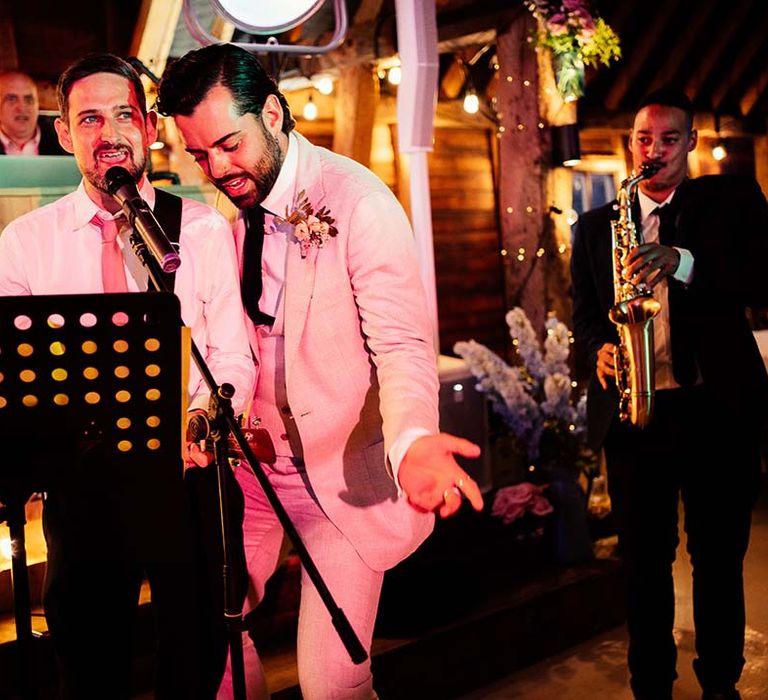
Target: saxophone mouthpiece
650	168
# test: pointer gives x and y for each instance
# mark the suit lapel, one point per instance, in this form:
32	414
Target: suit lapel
300	272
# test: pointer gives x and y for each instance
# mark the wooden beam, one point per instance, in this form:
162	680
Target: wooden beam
355	111
747	53
688	41
714	52
9	57
368	11
523	151
640	55
155	29
753	93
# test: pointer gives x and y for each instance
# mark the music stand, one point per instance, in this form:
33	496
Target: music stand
79	372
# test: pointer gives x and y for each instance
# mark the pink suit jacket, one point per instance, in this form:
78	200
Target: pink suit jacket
360	367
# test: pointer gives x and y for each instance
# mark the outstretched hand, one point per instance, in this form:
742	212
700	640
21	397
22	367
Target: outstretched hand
433	480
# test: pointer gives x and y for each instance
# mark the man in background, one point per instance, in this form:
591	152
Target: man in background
704	252
22	132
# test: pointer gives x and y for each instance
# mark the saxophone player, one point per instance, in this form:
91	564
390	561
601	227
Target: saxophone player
703	255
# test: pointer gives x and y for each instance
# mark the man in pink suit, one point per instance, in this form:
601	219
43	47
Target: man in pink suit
347	382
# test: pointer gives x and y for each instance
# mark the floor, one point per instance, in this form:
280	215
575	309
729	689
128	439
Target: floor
596	668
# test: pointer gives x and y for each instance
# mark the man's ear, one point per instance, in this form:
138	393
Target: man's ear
272	115
62	131
693	139
151	124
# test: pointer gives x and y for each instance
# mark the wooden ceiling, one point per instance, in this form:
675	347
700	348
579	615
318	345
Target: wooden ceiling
715	50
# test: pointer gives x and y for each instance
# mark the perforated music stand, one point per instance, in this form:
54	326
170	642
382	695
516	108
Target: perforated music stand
85	372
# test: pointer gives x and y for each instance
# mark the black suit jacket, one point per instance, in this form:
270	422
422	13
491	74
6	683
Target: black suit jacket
723	221
49	141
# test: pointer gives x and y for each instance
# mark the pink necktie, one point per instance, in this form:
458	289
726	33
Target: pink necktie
112	267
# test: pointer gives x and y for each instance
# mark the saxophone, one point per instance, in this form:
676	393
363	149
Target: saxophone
633	312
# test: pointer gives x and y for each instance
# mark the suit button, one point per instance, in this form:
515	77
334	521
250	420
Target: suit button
286	410
284	436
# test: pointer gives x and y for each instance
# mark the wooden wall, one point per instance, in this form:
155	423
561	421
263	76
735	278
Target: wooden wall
468	262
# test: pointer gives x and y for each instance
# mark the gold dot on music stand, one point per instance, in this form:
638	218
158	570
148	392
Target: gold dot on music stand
57	348
88	320
152	370
123	396
153	421
120	346
119	318
2	376
3	402
55	321
121	371
123	423
29	400
59	374
90	373
27	375
61	399
153	394
89	347
124	445
153	444
25	349
152	344
92	397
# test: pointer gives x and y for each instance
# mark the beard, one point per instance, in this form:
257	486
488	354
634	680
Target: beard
263	174
135	167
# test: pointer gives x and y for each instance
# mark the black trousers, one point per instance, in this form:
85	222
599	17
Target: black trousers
104	535
696	451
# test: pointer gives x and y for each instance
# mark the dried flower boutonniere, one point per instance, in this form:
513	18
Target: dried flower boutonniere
311	228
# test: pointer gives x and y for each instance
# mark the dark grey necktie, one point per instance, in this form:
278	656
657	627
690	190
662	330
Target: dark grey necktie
251	282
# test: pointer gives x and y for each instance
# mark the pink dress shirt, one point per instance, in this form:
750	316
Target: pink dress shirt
56	249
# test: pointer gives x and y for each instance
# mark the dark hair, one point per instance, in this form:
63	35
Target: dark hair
669	97
188	79
90	65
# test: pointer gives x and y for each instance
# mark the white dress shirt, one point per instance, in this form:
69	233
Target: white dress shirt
684	274
56	249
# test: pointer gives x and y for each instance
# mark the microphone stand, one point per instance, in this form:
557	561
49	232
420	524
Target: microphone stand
223	423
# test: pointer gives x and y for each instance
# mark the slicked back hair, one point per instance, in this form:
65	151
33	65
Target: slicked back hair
188	80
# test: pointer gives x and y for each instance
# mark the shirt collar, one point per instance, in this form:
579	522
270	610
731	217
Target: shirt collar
86	208
11	147
281	196
648	206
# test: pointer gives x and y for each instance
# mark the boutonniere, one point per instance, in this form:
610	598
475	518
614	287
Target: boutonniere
310	227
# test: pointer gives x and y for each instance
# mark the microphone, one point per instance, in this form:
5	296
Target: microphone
122	187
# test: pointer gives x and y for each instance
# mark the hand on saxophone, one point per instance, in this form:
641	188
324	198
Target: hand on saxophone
650	263
606	364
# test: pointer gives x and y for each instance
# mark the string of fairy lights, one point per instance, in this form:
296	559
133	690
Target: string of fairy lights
538	251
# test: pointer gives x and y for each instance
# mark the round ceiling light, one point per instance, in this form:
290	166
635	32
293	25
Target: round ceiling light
266	16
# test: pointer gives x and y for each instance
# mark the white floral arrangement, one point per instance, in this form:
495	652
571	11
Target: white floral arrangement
534	399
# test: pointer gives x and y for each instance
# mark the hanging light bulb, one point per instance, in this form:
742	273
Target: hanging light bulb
395	75
719	151
324	84
471	102
310	110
